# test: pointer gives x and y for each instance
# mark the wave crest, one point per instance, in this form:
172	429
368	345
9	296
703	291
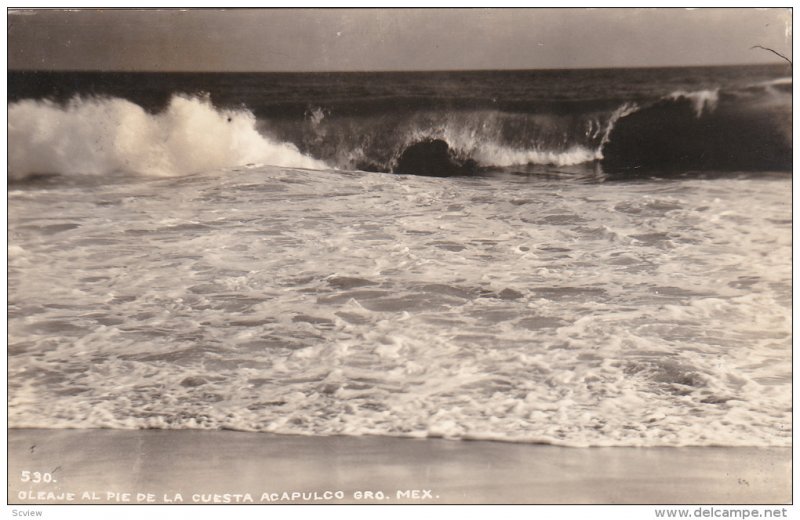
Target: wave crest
702	100
98	136
744	128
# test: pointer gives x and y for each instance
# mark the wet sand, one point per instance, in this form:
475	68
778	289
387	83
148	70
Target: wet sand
155	466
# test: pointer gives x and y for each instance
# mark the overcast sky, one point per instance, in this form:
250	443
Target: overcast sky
386	39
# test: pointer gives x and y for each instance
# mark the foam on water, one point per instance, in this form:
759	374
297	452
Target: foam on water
702	100
99	136
481	137
321	302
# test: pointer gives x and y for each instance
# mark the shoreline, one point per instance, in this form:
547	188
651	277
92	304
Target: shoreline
83	466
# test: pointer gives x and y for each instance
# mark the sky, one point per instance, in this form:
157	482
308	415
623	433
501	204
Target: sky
392	39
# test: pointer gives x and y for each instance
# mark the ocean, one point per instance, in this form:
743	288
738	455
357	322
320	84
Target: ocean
571	257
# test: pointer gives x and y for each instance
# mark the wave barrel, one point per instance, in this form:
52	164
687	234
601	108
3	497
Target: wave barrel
682	133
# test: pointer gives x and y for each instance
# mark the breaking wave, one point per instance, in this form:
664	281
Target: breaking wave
748	128
99	136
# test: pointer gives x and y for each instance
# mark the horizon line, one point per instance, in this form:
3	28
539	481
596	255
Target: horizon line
364	71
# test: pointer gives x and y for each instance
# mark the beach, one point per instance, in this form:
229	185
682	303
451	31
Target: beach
155	466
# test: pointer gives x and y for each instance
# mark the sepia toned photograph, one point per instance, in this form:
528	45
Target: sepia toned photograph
400	256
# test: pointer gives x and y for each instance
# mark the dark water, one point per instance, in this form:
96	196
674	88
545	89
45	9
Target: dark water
621	120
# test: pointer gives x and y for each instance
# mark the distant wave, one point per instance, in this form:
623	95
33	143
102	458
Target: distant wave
97	136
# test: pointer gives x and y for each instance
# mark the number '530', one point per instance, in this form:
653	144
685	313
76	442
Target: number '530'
36	477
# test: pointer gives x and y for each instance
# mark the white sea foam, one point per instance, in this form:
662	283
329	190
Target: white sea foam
484	144
623	110
322	302
96	136
506	156
481	141
702	100
775	82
